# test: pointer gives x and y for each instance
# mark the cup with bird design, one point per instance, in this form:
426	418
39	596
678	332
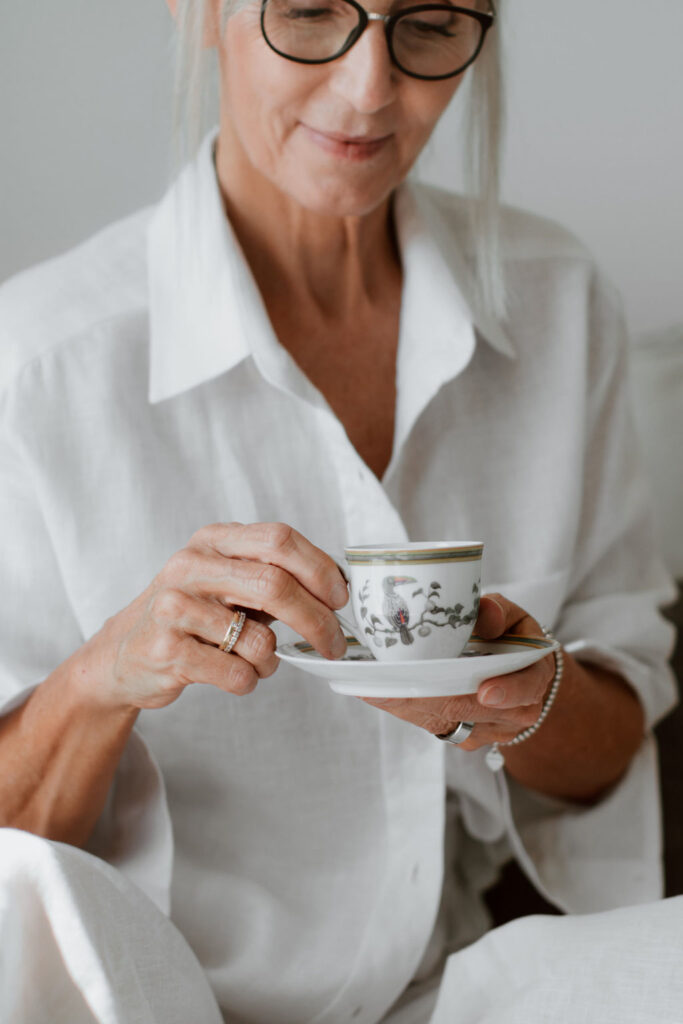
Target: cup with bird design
417	600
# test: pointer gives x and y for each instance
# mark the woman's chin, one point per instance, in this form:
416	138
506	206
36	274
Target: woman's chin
341	199
326	183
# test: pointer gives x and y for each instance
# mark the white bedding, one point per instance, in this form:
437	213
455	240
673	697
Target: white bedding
82	944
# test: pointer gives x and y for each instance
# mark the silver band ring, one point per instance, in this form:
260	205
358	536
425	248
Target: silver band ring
232	633
459	735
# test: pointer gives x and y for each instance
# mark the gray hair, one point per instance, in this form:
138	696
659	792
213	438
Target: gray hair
195	109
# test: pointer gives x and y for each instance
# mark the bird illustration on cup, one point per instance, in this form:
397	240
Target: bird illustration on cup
395	625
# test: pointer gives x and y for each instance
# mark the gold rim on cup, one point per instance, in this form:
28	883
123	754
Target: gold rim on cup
413	554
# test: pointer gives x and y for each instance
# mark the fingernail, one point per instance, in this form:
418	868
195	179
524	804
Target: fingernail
493	697
339	645
339	595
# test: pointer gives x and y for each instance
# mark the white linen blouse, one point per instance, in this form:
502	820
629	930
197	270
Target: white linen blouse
317	853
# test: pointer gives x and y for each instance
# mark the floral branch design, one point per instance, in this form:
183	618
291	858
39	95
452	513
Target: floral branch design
433	615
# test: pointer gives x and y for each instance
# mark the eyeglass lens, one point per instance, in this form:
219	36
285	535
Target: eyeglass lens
429	43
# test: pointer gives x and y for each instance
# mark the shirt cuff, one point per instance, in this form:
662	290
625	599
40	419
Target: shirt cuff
586	859
134	832
656	700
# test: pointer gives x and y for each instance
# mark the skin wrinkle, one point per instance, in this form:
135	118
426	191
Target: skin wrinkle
321	219
484	127
315	228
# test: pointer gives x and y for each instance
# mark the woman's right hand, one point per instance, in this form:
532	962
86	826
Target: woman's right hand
168	637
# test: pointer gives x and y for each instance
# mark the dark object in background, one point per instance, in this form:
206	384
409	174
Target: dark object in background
670	737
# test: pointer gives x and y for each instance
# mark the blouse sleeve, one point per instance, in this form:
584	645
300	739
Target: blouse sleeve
38	631
608	854
618	582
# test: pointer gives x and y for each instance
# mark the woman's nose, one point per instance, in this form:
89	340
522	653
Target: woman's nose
366	76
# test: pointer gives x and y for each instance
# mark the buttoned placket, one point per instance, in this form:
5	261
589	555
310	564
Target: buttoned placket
436	343
412	762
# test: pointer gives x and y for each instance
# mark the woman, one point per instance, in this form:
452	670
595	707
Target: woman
302	349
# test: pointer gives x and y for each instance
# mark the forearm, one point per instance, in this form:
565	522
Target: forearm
586	743
58	756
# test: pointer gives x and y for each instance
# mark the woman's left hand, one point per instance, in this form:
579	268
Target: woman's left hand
504	705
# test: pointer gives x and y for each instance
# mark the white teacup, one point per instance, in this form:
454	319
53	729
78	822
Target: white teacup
415	600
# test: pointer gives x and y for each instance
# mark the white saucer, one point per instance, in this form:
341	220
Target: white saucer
358	674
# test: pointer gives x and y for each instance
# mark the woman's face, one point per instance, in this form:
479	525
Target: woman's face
292	122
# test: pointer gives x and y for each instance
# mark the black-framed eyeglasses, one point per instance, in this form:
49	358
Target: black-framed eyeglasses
429	40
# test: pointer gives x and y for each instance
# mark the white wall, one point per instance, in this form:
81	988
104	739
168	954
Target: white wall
595	135
84	119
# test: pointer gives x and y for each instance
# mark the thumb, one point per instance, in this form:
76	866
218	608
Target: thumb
492	618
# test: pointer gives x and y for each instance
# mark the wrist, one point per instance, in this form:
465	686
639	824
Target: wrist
588	741
495	758
89	678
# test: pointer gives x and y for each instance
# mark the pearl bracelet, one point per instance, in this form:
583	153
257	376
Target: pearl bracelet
494	758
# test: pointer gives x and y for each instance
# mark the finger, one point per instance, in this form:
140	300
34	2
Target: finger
230	673
441	714
208	620
268	588
518	689
441	722
256	644
497	615
486	733
281	545
430	713
180	659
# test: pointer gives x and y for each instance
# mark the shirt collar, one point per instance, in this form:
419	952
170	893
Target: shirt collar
442	266
440	322
207	314
197	275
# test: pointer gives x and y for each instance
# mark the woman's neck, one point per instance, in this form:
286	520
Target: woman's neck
335	264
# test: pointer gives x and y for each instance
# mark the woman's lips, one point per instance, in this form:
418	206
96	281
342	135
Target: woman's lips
346	146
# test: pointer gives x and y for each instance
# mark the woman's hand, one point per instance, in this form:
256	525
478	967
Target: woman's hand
168	637
504	705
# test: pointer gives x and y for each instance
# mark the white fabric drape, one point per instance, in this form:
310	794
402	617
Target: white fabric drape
81	945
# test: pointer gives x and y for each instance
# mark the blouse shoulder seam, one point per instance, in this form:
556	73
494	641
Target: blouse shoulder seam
55	348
